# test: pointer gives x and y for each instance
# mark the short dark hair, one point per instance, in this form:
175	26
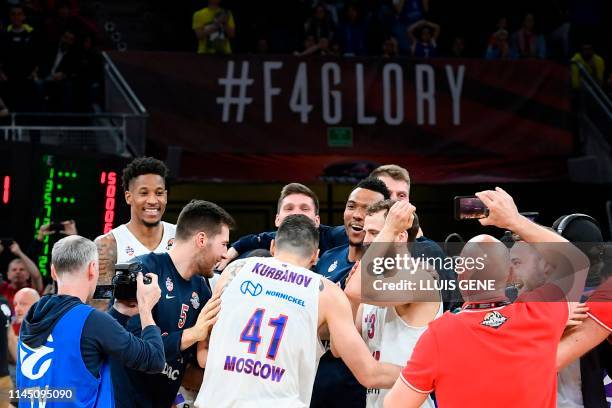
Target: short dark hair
297	188
143	165
298	234
374	184
200	215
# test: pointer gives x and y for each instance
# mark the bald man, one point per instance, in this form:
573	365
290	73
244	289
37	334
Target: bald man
23	300
507	352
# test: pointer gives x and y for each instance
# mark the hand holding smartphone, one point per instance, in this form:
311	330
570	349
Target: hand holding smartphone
469	208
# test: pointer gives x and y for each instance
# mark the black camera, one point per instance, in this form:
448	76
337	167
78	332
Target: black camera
124	281
123	285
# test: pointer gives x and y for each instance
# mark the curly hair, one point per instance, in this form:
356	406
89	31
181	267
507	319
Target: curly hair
143	165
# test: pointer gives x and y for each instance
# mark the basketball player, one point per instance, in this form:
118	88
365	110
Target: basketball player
265	342
144	182
390	329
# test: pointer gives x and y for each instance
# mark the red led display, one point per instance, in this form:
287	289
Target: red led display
6	191
110	180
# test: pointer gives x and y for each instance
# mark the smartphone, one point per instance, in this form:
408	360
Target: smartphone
470	208
56	226
103	292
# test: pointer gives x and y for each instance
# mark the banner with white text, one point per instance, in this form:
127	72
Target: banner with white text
457	120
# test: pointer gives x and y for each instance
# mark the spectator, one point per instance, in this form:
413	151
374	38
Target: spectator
22	273
527	42
502	24
214	27
458	48
7	348
58	69
45	231
18	53
591	62
23	300
335	49
407	12
390	49
58	23
379	20
351	34
426	45
89	74
501	49
319	25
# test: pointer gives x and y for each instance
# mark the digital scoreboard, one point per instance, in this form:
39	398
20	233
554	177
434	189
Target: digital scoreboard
45	186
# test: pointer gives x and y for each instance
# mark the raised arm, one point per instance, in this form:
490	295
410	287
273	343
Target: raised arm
570	265
415	26
335	311
35	276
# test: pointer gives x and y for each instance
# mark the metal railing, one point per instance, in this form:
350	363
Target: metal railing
594	100
100	132
117	128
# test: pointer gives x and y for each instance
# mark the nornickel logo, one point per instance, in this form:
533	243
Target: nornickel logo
251	288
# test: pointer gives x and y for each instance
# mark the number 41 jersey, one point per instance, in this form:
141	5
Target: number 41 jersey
264	348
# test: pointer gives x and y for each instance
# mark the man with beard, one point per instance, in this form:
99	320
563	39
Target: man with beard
144	182
185	312
334	385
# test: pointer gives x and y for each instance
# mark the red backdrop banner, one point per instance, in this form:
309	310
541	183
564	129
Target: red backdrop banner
246	117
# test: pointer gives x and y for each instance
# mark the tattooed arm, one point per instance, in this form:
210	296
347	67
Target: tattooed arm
107	258
228	274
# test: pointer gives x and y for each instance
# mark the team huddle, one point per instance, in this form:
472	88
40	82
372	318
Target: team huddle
285	323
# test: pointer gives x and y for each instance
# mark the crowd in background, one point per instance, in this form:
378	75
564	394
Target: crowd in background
48	57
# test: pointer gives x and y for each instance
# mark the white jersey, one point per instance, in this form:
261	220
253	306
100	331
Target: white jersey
264	349
128	246
391	340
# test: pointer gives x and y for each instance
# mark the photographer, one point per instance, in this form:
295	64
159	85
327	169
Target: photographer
214	27
74	340
186	311
21	273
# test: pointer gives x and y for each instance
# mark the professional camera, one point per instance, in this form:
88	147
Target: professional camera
124	281
123	285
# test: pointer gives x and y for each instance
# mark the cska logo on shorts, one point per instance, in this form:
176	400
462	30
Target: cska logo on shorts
129	250
169	284
170	243
195	300
494	319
